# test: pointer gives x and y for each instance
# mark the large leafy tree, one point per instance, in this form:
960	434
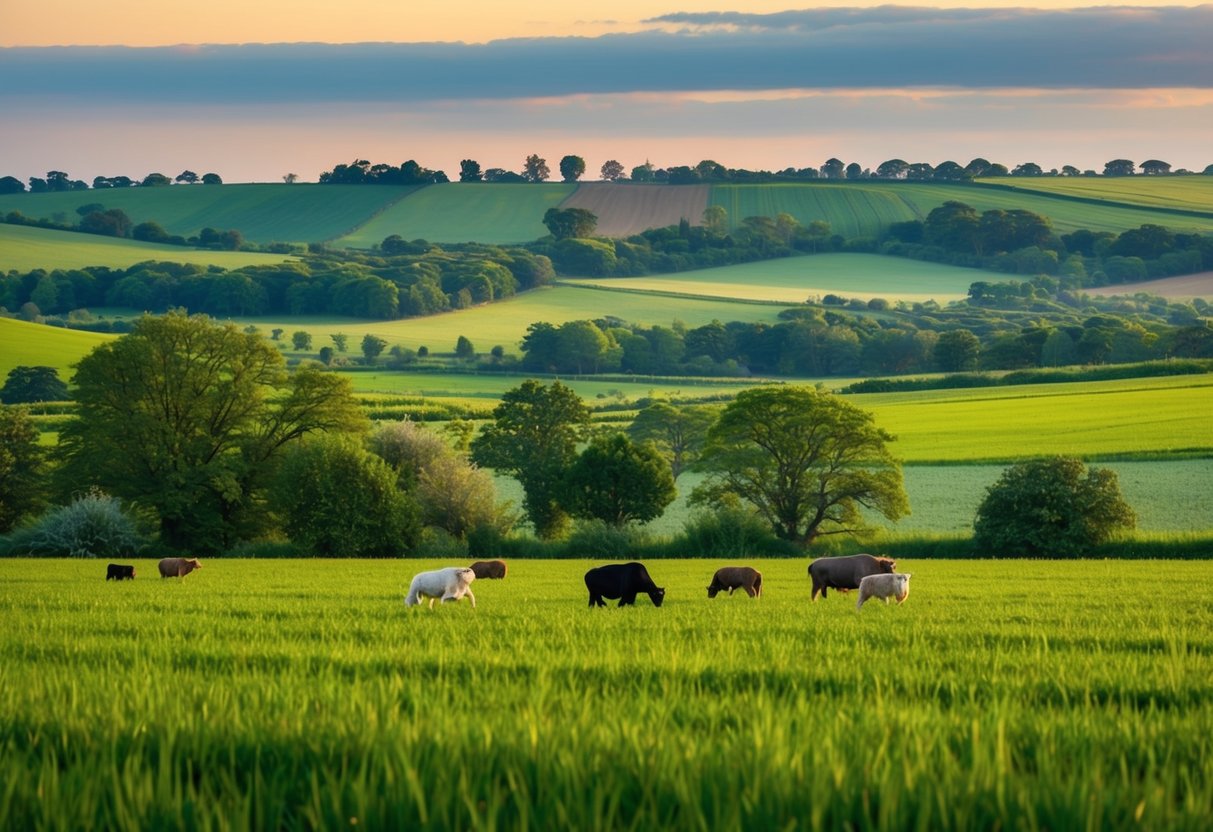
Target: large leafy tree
535	168
1053	506
339	500
534	438
33	384
571	168
678	433
805	460
564	223
618	482
186	419
22	486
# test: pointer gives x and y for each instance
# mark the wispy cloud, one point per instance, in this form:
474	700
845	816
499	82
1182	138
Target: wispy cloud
885	47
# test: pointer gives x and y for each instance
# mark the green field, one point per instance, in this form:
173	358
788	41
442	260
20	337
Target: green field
1188	193
23	249
865	209
506	322
30	345
253	694
492	385
262	213
464	212
1132	417
794	279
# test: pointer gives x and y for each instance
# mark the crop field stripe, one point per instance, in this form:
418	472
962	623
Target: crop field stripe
301	694
1191	195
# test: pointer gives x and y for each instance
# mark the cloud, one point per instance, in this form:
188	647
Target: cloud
884	47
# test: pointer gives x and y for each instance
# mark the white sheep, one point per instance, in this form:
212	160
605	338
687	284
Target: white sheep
896	585
449	584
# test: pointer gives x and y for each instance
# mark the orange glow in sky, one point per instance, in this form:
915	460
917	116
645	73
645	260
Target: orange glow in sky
169	22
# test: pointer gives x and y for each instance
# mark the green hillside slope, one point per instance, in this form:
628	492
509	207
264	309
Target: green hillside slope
1186	193
262	213
24	248
464	212
31	345
856	209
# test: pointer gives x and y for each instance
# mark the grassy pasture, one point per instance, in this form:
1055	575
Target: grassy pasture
303	695
866	208
1189	193
23	248
1133	417
32	345
300	213
464	212
793	279
506	322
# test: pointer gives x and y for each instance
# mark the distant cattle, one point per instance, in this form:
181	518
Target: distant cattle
449	584
489	569
623	581
846	572
119	572
884	587
178	567
736	577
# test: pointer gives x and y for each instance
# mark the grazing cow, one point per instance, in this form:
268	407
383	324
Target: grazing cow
846	572
178	567
736	577
449	584
623	581
885	587
489	569
119	572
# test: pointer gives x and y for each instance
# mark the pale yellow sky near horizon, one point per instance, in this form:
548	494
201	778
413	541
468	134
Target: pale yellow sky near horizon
172	22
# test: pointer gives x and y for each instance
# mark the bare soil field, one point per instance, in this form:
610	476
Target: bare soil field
623	210
1184	287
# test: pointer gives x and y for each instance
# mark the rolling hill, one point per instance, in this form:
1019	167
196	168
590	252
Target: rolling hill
26	344
24	248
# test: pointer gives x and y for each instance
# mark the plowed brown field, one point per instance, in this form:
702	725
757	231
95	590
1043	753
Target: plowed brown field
623	210
1183	287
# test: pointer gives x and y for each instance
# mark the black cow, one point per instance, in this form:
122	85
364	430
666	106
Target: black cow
623	581
845	573
119	572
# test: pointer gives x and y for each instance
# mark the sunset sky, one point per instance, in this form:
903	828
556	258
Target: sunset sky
768	85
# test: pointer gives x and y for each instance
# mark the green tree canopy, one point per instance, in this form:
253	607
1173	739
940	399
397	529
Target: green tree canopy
534	437
187	419
338	500
565	223
22	485
535	169
618	482
26	385
679	433
571	168
372	347
804	459
1050	507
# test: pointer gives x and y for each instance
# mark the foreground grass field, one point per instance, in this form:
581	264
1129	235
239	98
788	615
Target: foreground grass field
24	249
297	695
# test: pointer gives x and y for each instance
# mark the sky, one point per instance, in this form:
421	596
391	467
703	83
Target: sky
254	91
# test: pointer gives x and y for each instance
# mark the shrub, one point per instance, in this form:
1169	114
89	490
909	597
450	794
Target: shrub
91	526
730	533
596	539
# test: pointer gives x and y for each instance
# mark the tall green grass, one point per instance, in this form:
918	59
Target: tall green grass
303	695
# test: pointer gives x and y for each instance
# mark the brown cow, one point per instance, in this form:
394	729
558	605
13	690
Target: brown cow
178	567
489	569
736	577
846	572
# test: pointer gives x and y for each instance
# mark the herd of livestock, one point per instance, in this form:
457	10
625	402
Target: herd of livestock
874	577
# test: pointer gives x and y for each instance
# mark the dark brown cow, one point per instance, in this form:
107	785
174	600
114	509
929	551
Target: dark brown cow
845	573
178	567
119	572
736	577
489	569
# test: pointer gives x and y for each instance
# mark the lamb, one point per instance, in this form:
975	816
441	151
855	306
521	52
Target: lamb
178	567
884	587
449	584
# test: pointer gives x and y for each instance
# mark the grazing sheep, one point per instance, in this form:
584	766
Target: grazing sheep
489	569
449	584
736	577
885	587
846	572
178	567
119	572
